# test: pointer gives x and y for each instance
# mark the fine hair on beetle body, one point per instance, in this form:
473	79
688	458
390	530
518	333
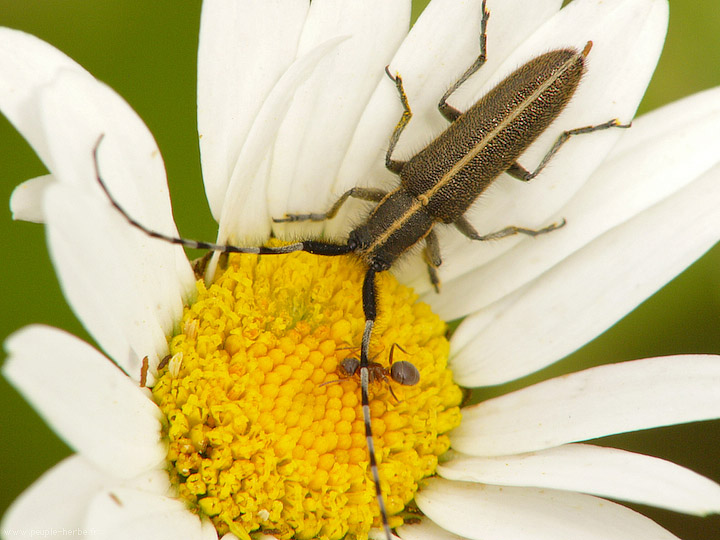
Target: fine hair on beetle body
435	186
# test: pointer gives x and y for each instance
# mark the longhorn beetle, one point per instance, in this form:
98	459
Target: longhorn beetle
438	184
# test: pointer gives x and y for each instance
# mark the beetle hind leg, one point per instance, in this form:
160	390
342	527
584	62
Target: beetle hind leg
519	172
464	226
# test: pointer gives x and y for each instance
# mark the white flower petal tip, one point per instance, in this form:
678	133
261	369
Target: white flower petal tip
479	512
604	400
28	64
595	470
87	400
26	199
78	113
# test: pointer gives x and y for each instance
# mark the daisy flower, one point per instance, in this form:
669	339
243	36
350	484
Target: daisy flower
230	415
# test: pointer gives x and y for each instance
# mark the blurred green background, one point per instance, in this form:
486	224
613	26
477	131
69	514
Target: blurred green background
146	51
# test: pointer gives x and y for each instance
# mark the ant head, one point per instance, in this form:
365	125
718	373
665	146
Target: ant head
404	373
350	366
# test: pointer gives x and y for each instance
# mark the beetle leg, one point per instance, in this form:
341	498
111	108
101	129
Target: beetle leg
448	111
519	172
365	194
393	165
464	226
432	258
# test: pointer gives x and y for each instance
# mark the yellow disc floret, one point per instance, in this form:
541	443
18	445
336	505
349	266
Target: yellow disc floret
258	442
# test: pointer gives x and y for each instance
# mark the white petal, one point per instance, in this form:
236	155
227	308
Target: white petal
426	530
102	275
244	49
508	513
245	214
153	481
591	290
678	115
26	199
76	111
73	109
378	534
58	499
89	403
441	45
627	39
593	403
123	513
27	64
662	153
317	130
596	470
62	110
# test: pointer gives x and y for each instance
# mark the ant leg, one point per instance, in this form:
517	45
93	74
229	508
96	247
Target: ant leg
392	351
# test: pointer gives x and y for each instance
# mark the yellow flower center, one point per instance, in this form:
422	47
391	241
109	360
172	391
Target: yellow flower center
258	441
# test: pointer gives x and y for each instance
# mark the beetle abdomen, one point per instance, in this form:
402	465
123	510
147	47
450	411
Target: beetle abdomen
482	143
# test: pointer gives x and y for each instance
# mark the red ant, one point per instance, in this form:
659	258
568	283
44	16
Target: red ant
401	372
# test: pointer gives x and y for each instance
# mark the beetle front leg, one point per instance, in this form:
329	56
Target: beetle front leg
393	165
448	111
365	194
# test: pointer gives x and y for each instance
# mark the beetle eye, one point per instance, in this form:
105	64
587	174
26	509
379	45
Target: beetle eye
380	265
